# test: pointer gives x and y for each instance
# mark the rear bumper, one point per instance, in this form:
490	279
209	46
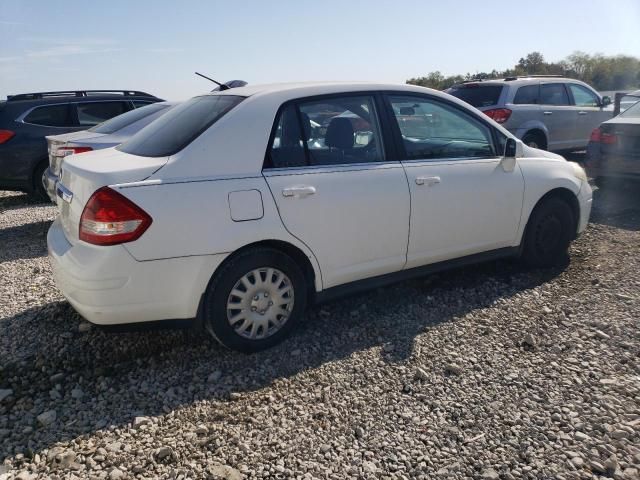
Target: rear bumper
107	286
50	180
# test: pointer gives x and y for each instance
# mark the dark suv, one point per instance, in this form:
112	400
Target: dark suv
27	118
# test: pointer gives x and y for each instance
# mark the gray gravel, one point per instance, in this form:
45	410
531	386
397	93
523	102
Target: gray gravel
490	372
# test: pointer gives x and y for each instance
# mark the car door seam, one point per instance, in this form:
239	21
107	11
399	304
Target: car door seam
290	233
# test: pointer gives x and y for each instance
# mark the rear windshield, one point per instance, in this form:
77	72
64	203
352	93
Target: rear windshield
126	119
180	126
477	95
633	111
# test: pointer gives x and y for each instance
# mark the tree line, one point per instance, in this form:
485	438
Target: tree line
618	72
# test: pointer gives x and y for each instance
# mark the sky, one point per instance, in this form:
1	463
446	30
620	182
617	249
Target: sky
155	46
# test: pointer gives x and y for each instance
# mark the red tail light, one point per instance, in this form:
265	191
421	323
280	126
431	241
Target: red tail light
110	218
6	135
608	138
64	151
598	136
500	115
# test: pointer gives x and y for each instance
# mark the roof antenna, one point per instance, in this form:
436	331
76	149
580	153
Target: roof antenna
221	85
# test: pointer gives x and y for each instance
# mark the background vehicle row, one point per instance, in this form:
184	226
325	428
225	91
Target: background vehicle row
552	113
26	119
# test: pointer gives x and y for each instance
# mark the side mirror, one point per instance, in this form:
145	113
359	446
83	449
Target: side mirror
606	100
512	150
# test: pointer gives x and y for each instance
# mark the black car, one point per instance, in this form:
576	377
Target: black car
27	118
614	147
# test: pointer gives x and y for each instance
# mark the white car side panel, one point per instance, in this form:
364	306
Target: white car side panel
473	207
357	221
194	218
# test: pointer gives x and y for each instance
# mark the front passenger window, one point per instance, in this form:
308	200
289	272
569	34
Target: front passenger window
432	130
583	97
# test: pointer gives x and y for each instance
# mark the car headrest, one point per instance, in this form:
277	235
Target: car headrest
339	133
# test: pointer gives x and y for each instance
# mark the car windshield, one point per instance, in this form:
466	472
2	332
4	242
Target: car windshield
633	111
477	95
179	127
117	123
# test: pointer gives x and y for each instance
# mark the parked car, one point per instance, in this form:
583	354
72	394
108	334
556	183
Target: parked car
547	112
614	147
624	101
226	210
104	135
27	118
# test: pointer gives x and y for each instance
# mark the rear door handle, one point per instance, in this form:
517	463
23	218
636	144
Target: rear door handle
582	113
547	113
298	191
429	181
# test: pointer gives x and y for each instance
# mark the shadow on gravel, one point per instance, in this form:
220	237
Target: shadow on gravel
617	204
117	376
24	241
20	201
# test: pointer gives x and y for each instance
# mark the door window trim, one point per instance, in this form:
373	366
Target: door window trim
397	134
388	144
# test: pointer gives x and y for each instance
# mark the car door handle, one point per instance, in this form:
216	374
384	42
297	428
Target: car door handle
547	113
429	181
298	191
582	113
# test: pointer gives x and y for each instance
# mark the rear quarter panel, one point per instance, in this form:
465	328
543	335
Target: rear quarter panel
194	218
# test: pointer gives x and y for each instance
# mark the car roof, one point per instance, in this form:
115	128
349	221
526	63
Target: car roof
518	81
309	89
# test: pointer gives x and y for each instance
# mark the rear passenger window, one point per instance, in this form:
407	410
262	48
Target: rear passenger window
553	94
335	131
527	95
92	113
287	149
50	116
434	130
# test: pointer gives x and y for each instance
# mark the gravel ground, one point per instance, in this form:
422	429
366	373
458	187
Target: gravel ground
490	372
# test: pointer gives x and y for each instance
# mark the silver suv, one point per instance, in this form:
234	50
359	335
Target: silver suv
548	112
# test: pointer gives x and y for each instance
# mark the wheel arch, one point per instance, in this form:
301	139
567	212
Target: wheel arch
313	276
34	182
538	131
566	195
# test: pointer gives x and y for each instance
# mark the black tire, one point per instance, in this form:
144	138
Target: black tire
38	191
219	290
549	232
535	140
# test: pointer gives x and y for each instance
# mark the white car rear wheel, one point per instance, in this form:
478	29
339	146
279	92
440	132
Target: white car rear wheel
255	300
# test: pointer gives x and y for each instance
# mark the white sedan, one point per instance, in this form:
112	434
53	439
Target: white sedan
238	208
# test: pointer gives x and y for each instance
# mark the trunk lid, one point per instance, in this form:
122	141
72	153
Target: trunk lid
54	142
627	133
83	174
